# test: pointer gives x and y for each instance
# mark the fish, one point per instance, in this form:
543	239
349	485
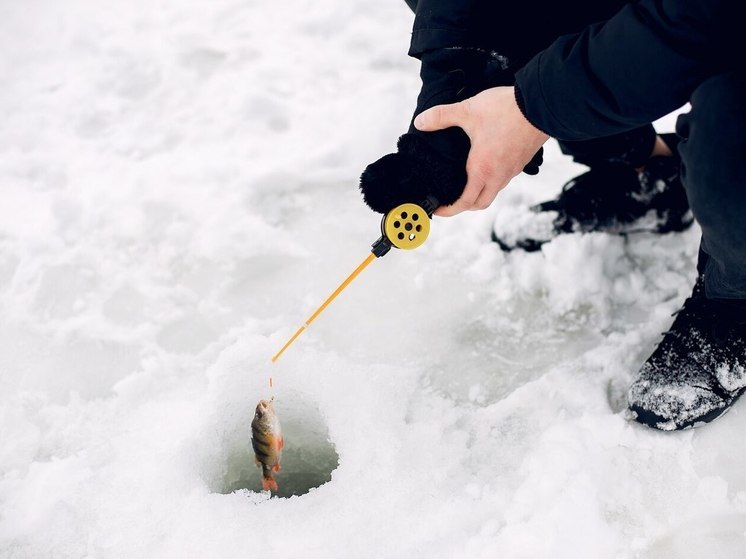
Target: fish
267	441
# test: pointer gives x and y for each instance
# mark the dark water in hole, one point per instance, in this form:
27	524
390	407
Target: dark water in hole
308	459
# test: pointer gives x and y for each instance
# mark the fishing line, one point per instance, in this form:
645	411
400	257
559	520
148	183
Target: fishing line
406	227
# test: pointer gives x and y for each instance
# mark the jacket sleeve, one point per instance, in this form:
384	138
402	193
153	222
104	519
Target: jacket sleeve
629	70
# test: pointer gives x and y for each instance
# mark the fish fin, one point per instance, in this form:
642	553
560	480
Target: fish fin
269	484
257	462
281	443
276	467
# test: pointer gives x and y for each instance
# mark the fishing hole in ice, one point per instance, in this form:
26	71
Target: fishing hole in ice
308	459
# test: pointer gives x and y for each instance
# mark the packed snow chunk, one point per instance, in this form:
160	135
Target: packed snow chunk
715	457
513	223
716	535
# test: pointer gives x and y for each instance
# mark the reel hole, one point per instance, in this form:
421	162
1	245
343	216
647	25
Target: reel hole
415	217
418	228
397	224
411	236
404	215
401	236
408	227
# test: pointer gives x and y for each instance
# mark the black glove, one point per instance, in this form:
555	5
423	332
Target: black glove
434	163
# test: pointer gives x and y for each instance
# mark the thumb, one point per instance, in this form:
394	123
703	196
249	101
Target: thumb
442	116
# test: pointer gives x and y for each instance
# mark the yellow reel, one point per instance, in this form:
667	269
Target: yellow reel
406	226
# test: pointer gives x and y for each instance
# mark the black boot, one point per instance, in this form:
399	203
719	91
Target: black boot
698	370
612	197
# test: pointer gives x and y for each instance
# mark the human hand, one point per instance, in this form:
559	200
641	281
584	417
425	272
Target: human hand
433	164
502	143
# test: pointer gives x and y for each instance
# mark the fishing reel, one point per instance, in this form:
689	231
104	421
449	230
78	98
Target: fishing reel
407	226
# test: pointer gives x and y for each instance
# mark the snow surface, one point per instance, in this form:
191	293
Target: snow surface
178	191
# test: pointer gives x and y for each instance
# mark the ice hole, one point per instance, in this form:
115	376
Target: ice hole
308	459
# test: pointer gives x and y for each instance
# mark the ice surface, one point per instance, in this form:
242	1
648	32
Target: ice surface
178	191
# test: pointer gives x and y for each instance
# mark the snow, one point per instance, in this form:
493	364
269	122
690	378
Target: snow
179	192
514	222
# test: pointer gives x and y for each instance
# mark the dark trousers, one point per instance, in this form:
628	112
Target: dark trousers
713	155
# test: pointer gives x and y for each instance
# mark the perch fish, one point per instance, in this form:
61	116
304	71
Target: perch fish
266	438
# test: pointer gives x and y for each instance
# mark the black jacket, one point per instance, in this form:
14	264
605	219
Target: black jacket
517	29
641	64
612	76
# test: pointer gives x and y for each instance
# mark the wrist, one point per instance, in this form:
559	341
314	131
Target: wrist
521	103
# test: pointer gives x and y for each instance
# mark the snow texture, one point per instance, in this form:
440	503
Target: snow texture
519	221
178	191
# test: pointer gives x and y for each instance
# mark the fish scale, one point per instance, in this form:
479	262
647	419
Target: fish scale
267	442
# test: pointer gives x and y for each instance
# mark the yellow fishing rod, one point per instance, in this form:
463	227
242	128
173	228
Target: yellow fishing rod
406	227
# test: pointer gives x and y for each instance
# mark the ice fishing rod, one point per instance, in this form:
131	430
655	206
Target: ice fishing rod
406	227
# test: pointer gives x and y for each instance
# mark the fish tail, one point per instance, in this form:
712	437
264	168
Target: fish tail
269	484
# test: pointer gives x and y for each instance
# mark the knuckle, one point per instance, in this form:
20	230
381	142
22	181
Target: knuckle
483	167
